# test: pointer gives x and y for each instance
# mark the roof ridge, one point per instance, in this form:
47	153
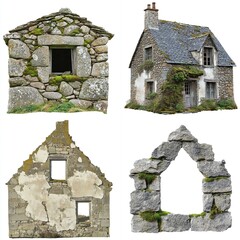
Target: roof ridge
180	23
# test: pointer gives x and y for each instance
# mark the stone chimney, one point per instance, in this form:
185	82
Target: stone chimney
151	17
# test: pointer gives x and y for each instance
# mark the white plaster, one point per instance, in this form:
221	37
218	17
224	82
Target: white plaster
34	190
85	184
80	159
72	145
196	56
140	87
209	73
61	212
202	89
41	155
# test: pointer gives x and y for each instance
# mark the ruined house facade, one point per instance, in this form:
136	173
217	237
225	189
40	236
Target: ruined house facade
146	198
58	192
59	57
166	45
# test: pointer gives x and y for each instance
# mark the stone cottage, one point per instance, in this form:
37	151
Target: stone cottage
189	55
216	186
58	192
59	57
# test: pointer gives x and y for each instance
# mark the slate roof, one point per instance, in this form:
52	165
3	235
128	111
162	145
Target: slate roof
177	40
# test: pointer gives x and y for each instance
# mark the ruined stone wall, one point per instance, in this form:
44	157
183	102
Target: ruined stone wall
160	69
43	207
146	199
224	75
31	79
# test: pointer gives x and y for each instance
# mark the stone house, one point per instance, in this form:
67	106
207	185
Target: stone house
146	198
165	45
59	57
58	192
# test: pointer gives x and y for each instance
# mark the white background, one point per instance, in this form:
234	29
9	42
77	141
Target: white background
115	140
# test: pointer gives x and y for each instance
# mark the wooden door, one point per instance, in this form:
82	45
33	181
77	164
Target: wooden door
190	94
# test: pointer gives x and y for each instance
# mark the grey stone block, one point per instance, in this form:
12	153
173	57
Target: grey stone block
182	134
18	49
40	57
50	40
218	186
16	67
83	62
140	225
222	201
212	169
207	202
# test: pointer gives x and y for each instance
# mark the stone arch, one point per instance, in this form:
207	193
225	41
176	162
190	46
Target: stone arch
146	199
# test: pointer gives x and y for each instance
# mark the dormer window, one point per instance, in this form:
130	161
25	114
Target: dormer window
208	56
148	53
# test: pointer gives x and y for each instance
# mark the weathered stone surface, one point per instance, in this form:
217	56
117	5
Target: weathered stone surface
100	41
94	89
100	69
56	31
67	19
212	169
48	40
17	81
81	103
69	29
144	201
167	150
156	184
40	57
222	201
83	62
37	85
175	223
31	79
150	166
85	29
220	223
217	186
140	225
182	134
207	202
76	85
43	74
23	96
101	49
62	24
89	38
52	95
18	49
51	88
101	106
65	89
140	184
16	67
102	57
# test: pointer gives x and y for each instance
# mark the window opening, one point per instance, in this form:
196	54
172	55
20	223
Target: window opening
61	60
208	56
181	186
148	53
187	88
150	87
58	169
83	212
211	90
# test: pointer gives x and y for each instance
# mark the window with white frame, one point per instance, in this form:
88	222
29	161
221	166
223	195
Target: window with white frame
208	56
61	60
58	169
211	90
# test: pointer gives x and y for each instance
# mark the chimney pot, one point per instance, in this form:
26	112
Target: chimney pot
154	5
149	6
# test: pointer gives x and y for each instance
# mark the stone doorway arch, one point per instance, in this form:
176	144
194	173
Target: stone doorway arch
146	199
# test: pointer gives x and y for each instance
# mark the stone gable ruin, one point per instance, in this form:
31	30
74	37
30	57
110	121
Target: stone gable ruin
146	199
59	57
58	192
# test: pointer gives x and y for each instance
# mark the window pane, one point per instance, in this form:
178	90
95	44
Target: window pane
58	169
61	60
148	53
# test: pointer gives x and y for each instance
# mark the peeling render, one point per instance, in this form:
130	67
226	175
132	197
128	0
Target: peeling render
40	206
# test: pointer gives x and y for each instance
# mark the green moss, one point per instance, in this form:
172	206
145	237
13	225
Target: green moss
37	31
56	80
148	177
30	70
153	216
133	105
214	211
27	165
147	66
194	215
151	96
75	31
211	179
199	34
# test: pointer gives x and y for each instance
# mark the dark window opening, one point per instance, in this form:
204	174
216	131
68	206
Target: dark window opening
150	87
83	212
61	60
208	56
148	53
211	92
187	88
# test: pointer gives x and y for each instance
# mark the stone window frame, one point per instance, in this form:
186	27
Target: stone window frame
216	188
148	55
208	56
83	200
57	158
73	58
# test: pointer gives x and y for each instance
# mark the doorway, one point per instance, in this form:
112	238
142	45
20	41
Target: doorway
190	94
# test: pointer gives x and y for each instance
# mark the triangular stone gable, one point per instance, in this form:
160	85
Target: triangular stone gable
216	185
50	205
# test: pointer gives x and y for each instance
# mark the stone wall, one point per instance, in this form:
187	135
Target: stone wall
43	207
146	199
30	62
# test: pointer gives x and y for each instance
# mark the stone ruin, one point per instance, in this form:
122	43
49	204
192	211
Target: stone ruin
43	204
146	199
59	57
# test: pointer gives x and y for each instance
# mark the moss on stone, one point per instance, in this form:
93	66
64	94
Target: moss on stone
56	80
151	216
148	177
27	165
37	31
211	179
214	211
30	70
194	215
147	66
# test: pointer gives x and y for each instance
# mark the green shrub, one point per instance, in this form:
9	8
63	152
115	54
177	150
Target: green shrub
153	216
227	103
133	105
148	177
208	104
147	66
